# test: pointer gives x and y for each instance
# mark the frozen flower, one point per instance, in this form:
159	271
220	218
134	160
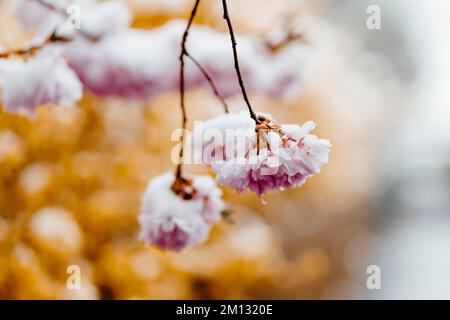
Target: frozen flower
136	63
272	157
211	138
131	64
104	17
177	216
44	79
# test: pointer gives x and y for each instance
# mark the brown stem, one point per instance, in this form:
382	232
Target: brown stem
257	142
226	16
288	39
210	81
54	37
34	48
63	12
182	88
290	36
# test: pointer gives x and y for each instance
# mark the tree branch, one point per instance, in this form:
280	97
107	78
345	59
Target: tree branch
226	16
182	88
34	48
210	81
52	38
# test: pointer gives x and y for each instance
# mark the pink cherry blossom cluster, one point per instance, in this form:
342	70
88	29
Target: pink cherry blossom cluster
145	63
173	222
118	60
259	157
272	157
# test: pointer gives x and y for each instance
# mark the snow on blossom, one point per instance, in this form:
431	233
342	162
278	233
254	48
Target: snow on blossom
221	137
129	64
171	222
44	79
284	157
96	18
34	15
138	63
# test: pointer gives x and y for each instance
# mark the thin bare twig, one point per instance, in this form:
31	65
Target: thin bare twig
288	39
210	81
182	88
54	37
34	48
289	35
226	16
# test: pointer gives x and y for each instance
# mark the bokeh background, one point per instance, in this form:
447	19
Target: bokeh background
71	178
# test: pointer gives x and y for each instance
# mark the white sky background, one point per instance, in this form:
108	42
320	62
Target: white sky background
415	248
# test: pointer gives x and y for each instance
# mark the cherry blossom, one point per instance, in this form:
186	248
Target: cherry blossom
221	138
284	157
44	79
138	63
172	222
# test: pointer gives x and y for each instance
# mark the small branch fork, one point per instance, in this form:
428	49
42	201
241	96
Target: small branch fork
288	39
181	184
185	52
195	61
289	36
178	173
53	38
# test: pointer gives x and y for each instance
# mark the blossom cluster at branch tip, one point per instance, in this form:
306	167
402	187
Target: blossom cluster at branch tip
172	222
268	157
